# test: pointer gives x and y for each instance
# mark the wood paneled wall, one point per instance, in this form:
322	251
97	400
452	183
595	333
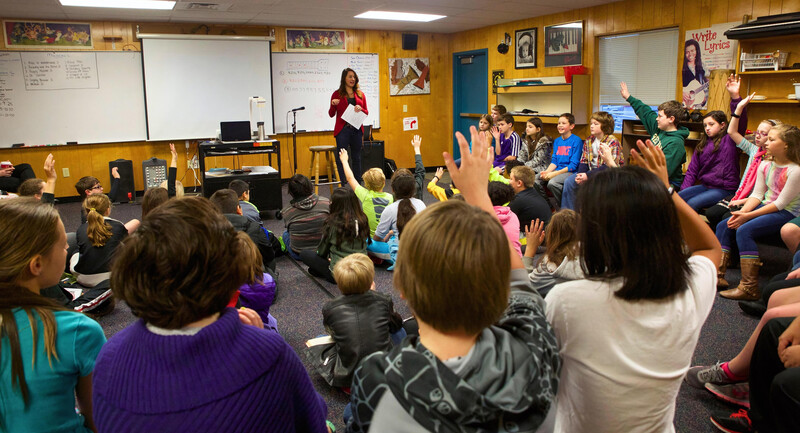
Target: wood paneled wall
434	111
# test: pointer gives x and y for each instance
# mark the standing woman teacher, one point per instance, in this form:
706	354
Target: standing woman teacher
347	136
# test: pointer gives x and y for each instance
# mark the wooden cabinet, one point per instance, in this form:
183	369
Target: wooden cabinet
774	85
633	130
550	100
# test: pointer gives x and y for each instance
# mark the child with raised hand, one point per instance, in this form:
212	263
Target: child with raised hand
640	282
98	239
715	163
665	131
441	194
594	156
755	152
345	232
480	324
775	201
566	157
537	147
561	261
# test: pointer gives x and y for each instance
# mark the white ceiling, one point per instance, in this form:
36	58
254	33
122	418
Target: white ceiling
461	14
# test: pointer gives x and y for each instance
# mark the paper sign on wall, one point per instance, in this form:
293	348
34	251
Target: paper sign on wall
410	123
705	50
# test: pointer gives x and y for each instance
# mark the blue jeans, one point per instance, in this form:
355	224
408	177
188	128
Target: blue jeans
570	192
289	250
349	138
700	196
745	236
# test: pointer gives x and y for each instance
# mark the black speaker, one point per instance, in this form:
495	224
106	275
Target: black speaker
410	41
372	155
126	192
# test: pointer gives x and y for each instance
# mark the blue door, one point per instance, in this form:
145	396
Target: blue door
470	91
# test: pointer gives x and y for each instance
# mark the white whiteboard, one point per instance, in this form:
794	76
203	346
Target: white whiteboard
309	80
194	84
60	97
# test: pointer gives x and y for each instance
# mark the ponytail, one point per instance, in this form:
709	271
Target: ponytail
98	230
405	211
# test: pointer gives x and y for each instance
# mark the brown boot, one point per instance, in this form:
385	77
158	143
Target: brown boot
721	282
748	286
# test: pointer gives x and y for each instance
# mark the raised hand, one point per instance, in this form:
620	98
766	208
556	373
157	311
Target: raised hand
623	90
472	179
343	156
416	142
733	84
50	167
496	133
652	158
743	103
535	236
115	172
439	172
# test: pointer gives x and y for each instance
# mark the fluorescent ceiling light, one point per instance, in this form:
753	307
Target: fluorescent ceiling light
399	16
125	4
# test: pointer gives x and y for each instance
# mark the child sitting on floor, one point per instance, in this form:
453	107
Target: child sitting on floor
345	232
258	293
97	238
560	262
485	358
360	322
501	194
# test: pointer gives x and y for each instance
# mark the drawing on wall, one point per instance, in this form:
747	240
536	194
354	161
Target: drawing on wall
525	48
705	50
316	40
496	76
409	76
563	44
48	35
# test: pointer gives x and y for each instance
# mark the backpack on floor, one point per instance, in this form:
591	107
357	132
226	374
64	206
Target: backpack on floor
389	167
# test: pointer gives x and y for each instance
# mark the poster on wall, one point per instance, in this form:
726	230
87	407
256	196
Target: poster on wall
48	35
705	50
409	76
563	44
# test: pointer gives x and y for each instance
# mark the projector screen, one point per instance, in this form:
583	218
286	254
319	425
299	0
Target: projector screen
191	85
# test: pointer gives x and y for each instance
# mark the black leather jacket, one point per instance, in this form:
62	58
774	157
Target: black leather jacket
359	325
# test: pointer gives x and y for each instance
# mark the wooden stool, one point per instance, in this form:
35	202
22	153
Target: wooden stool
330	158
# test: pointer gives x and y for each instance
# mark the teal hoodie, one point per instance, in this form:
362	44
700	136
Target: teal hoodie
671	142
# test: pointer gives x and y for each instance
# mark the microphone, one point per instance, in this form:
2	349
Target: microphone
298	109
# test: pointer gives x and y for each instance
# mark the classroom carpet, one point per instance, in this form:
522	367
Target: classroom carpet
300	298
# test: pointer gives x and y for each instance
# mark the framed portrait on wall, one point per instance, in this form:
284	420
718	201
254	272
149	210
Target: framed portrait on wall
325	40
563	44
525	48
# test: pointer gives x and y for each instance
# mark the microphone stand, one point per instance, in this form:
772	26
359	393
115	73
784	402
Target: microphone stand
294	140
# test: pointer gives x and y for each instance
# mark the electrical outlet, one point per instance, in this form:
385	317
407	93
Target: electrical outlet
405	108
65	172
193	163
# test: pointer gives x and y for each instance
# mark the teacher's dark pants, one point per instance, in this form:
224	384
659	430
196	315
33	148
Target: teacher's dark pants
350	139
21	173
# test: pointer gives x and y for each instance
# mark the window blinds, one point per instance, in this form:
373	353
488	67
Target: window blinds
647	62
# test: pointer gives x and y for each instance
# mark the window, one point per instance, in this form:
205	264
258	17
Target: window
647	62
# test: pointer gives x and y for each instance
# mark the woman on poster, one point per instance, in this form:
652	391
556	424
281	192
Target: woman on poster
347	136
695	82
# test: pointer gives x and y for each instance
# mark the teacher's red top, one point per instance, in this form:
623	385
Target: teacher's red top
338	110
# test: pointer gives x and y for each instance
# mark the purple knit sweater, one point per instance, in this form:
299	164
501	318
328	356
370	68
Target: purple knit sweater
720	169
227	377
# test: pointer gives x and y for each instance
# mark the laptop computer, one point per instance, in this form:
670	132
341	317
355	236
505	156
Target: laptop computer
235	131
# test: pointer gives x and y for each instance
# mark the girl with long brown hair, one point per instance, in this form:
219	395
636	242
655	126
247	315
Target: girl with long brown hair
47	352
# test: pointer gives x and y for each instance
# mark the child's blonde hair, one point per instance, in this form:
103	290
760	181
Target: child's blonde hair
98	230
179	191
251	256
466	289
374	179
790	135
561	236
354	274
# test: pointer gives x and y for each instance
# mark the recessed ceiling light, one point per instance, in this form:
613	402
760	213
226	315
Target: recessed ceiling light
399	16
125	4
